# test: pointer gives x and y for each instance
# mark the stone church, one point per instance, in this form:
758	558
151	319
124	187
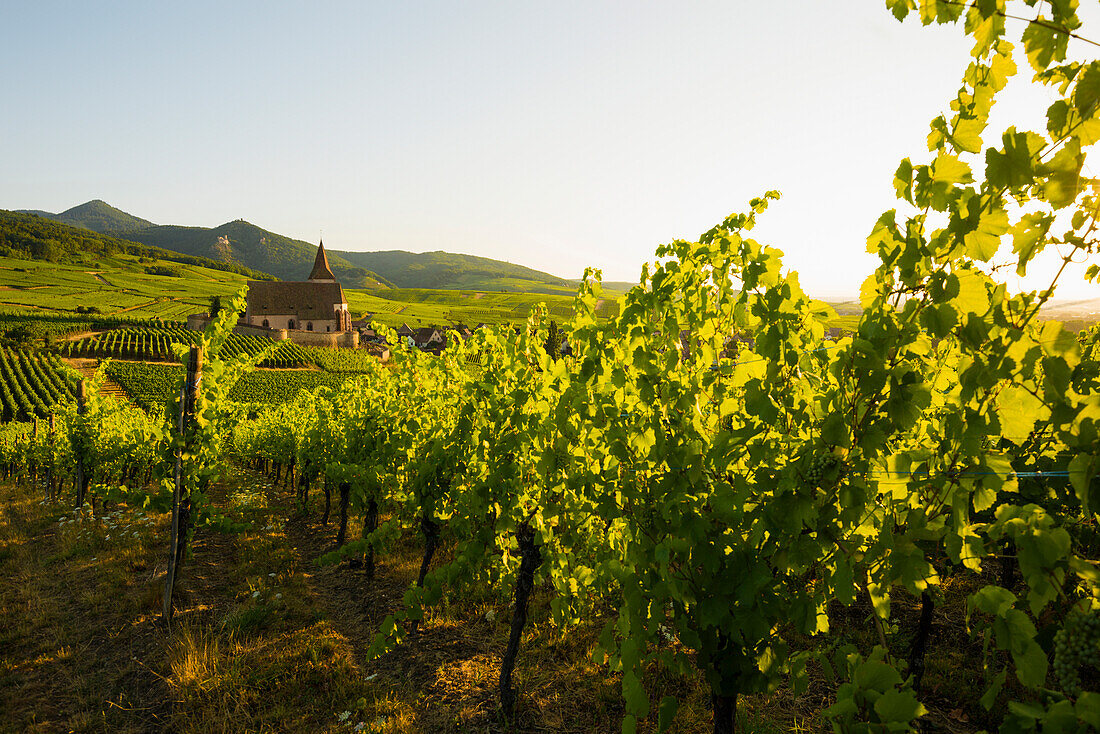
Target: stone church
316	305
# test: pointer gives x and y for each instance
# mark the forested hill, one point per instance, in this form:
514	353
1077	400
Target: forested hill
96	215
34	237
448	270
243	242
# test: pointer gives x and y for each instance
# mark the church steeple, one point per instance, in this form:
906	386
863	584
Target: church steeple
321	270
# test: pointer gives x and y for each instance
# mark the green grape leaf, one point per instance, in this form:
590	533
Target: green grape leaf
1087	92
875	675
1063	175
1018	411
899	707
989	698
1082	469
666	712
1031	661
1087	709
1029	237
993	600
1014	166
903	181
967	135
973	296
1044	45
634	694
843	583
948	169
982	243
900	8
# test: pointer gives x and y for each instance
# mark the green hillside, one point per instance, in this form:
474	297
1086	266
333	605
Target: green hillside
609	286
452	271
118	285
98	216
440	307
245	243
30	236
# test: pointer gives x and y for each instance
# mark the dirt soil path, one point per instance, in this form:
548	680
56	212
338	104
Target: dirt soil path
436	661
87	367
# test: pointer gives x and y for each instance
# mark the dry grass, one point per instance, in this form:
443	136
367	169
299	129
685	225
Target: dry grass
265	639
75	623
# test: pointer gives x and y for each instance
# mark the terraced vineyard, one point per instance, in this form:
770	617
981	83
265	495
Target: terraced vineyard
155	343
31	383
426	306
340	360
153	386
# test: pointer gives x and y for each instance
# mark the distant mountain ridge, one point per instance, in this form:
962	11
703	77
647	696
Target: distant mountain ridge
245	243
30	235
441	269
96	215
248	245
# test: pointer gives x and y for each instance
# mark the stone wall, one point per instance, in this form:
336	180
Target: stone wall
197	321
344	339
293	323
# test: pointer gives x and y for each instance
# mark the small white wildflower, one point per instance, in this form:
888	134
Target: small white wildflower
255	594
278	596
343	716
271	575
490	615
360	726
372	676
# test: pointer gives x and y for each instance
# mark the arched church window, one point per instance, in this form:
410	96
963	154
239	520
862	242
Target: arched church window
309	326
290	324
267	324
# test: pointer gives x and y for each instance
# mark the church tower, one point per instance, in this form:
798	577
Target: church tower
316	305
321	271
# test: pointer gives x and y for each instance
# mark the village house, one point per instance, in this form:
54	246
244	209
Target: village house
429	338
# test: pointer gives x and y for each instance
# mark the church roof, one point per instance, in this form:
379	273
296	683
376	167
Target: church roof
309	300
321	270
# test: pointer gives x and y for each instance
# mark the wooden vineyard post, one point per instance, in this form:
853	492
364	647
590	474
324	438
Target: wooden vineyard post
81	479
181	500
53	445
33	452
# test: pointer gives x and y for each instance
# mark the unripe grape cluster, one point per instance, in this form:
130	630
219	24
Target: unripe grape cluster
561	461
823	466
1077	646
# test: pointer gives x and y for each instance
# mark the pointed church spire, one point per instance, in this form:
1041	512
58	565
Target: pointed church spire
321	270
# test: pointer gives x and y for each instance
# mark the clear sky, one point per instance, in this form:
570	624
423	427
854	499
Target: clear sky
554	135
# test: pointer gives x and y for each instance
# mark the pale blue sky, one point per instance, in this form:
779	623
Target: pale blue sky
555	135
